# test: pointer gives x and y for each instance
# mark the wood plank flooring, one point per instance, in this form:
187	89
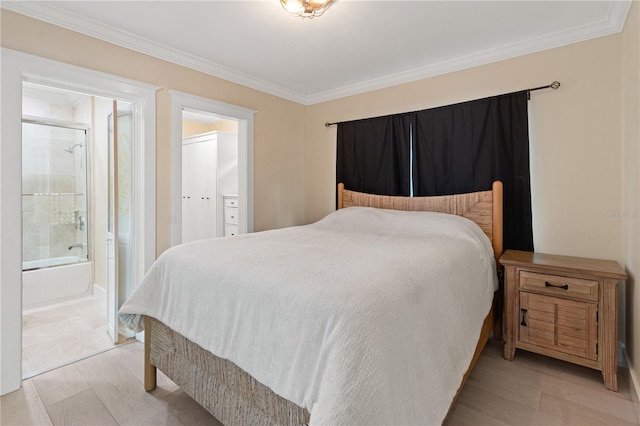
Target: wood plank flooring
106	389
537	390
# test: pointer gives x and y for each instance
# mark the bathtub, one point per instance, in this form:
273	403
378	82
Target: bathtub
53	283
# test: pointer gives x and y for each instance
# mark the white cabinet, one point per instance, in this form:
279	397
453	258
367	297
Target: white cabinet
230	215
209	169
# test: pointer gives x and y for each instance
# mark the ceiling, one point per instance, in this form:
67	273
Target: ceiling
355	47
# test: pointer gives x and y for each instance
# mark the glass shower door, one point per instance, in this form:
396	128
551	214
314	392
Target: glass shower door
54	194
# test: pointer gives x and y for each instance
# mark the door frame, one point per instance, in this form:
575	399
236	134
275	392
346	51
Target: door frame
245	117
18	67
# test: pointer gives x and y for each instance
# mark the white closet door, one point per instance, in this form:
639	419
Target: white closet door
199	189
189	193
207	171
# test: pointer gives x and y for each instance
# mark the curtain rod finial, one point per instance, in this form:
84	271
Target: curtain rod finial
555	85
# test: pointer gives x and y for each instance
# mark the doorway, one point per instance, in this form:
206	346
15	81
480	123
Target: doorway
210	205
76	190
232	118
17	69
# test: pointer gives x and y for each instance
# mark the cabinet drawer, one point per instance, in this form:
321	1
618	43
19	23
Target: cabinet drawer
231	216
230	230
231	202
558	285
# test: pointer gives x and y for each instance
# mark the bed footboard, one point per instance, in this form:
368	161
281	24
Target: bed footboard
229	393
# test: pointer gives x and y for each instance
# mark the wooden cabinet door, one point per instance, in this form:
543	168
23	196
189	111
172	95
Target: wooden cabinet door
568	326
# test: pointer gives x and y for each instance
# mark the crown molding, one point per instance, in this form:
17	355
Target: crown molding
52	14
613	23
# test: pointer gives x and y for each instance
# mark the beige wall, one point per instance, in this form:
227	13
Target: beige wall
630	207
279	124
228	126
575	140
192	128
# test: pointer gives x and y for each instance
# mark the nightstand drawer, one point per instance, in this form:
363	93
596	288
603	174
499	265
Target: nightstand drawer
557	285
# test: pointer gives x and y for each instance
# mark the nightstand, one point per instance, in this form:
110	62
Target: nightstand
563	307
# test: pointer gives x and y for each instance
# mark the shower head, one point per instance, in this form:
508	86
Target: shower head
70	149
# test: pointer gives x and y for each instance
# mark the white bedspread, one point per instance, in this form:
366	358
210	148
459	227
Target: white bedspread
367	316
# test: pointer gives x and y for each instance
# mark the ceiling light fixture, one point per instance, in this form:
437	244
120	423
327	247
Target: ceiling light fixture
306	8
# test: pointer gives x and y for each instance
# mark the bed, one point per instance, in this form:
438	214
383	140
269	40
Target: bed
361	365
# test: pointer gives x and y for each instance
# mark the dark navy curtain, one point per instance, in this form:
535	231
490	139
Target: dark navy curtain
455	149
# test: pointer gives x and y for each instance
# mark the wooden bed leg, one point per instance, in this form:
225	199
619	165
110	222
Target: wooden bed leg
149	369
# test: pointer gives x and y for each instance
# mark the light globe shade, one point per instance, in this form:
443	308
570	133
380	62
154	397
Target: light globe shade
306	8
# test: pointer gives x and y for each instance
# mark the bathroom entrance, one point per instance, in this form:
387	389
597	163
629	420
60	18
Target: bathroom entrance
77	223
19	71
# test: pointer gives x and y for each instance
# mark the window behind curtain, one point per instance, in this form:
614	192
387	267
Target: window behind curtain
373	155
452	149
465	147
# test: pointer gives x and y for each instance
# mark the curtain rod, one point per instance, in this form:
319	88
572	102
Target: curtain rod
553	86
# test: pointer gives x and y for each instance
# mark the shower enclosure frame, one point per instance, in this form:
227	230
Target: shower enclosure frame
30	119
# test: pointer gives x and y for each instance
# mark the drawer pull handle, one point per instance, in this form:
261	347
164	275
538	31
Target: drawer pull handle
564	287
524	313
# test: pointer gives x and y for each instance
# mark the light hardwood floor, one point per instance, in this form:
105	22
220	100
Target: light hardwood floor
537	390
106	389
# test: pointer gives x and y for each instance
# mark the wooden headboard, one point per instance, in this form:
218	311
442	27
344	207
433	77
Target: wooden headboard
484	207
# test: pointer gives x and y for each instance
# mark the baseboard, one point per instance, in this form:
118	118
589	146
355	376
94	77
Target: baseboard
634	385
100	294
622	359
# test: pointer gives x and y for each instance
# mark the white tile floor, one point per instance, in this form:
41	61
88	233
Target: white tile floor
62	333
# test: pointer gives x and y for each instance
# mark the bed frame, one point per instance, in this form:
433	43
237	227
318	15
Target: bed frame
233	396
